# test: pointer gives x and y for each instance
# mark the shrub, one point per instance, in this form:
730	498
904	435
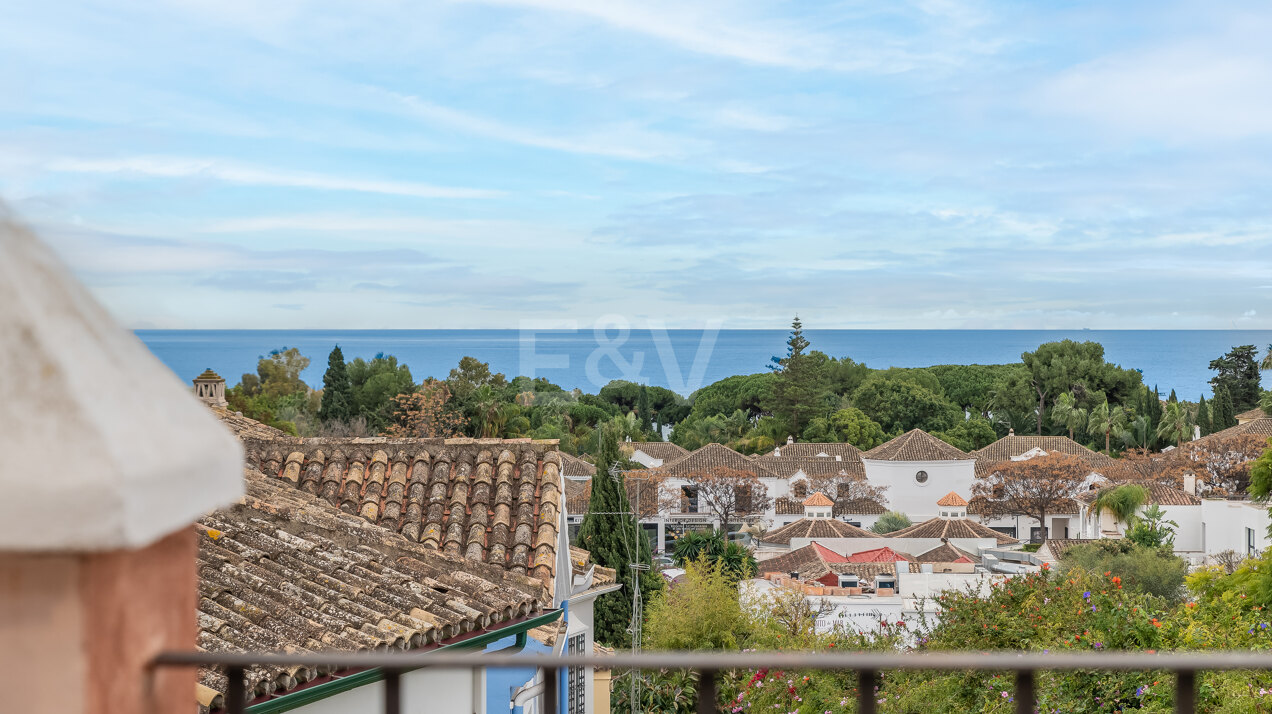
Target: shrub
1156	571
700	613
891	522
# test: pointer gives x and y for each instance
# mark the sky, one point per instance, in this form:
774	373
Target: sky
499	163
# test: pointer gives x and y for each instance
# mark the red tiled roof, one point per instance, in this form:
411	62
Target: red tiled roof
818	499
787	467
879	555
916	445
811	564
946	553
951	499
828	555
809	449
664	450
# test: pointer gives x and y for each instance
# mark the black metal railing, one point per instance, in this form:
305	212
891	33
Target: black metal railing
867	665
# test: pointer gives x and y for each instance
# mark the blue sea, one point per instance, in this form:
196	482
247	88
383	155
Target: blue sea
684	360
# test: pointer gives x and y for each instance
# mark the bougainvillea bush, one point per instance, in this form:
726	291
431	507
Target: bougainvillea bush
1041	612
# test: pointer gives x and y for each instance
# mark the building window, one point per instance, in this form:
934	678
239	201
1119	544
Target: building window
1250	541
921	477
576	678
689	499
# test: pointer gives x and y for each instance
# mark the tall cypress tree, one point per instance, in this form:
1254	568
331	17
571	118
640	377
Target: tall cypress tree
1172	398
1203	416
337	390
614	540
642	409
799	385
1223	414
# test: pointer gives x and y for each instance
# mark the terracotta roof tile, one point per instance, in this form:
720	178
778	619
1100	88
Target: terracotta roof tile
711	456
1256	413
574	466
814	466
664	450
1009	447
944	528
946	553
952	499
815	528
858	506
808	449
287	571
1159	494
818	499
811	564
916	445
489	500
1258	427
879	555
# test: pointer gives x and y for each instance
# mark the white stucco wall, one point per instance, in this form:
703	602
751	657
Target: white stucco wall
445	691
918	500
1225	523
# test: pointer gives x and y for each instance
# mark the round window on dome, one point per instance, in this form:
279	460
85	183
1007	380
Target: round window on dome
921	477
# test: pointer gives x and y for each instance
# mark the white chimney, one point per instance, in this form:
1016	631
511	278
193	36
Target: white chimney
838	457
1011	431
790	439
1190	484
210	387
777	451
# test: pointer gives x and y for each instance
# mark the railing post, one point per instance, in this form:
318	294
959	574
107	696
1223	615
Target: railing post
550	686
235	690
392	691
865	691
1025	691
707	691
1185	691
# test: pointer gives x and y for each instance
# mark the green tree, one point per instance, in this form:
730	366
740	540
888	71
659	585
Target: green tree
849	426
752	393
337	390
643	414
1238	374
1151	570
612	535
969	434
1266	364
1077	367
1175	424
1153	529
1120	501
1068	414
1224	414
1106	420
898	404
1203	416
376	385
280	373
799	387
700	613
890	522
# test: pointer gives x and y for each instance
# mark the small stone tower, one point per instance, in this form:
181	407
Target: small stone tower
210	387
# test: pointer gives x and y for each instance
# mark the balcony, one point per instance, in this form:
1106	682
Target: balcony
560	670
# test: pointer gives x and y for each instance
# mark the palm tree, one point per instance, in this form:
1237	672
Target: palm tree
1174	424
1267	359
1120	501
1107	420
1068	414
1135	434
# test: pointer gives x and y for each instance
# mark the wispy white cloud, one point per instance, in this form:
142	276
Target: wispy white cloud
233	172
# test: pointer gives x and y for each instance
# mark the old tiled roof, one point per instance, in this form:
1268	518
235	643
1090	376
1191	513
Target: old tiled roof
1256	413
664	450
488	500
818	499
916	445
1008	447
952	528
244	427
814	561
1258	427
946	553
286	571
952	499
806	449
1159	494
815	528
879	555
574	466
815	466
980	506
581	560
784	506
858	506
711	456
578	493
1057	547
